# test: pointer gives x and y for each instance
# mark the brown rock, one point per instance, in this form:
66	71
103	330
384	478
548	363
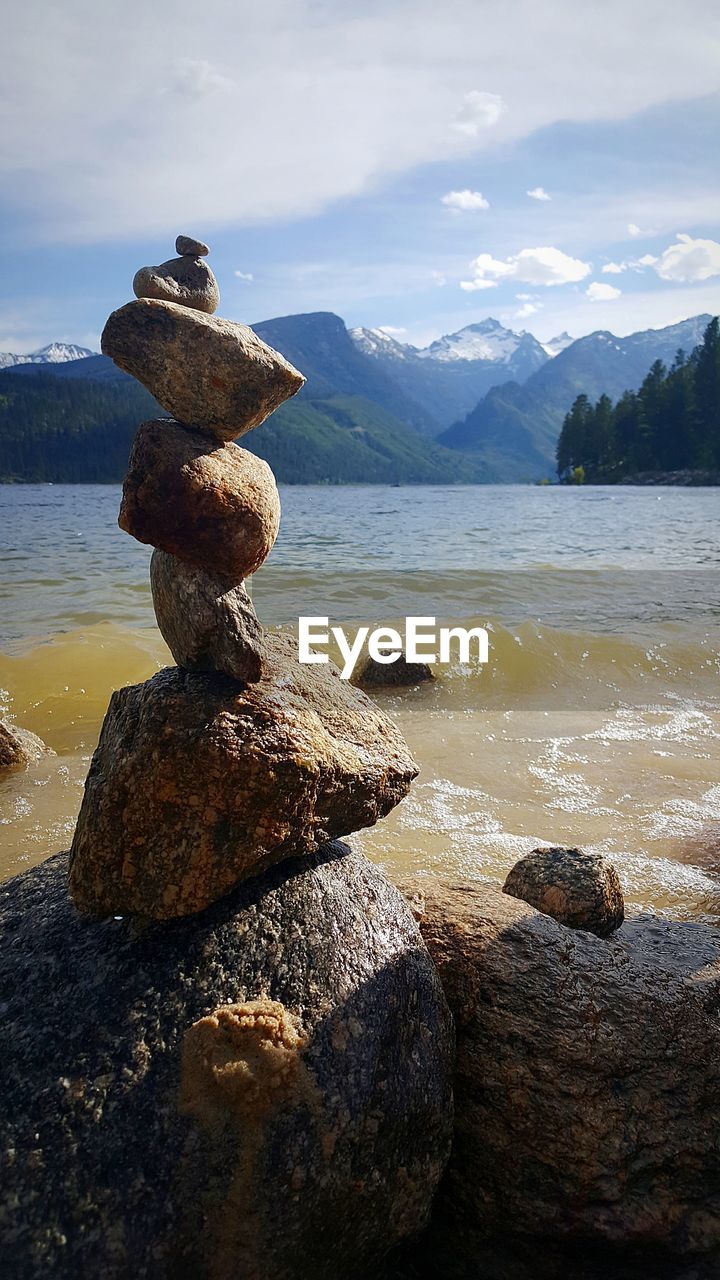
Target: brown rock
580	890
587	1092
207	372
261	1092
206	625
197	783
214	506
191	248
19	748
397	674
187	281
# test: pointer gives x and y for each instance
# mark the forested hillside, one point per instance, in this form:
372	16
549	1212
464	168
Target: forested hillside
72	430
671	423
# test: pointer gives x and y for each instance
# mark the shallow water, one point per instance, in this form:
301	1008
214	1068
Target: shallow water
595	723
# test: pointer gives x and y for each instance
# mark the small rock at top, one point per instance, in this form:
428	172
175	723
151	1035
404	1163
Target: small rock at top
189	248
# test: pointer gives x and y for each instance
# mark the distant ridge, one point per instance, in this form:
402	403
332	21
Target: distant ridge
53	353
450	375
514	429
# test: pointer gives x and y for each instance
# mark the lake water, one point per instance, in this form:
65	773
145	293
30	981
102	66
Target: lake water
596	721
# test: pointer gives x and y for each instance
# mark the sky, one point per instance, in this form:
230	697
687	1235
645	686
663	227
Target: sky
411	166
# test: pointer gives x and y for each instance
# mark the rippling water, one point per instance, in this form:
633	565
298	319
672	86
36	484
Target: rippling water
596	721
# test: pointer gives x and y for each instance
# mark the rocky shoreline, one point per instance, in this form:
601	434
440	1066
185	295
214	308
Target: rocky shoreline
234	1050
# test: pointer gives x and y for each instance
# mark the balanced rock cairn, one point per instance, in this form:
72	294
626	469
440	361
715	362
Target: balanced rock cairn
238	757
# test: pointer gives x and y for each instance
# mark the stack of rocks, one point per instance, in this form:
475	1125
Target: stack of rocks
261	1090
239	757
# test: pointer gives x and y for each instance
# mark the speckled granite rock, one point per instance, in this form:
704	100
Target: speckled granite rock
258	1093
375	675
187	281
587	1092
207	372
580	890
215	506
206	625
19	748
198	782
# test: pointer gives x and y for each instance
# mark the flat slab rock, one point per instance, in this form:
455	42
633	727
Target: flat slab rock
262	1092
207	372
587	1093
197	783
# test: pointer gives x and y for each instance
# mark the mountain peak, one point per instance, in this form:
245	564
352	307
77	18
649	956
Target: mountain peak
53	353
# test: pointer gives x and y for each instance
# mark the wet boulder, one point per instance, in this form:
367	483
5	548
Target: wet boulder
260	1092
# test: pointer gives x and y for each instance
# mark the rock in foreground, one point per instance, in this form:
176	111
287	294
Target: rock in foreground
587	1093
197	783
19	748
259	1093
206	625
207	372
580	890
215	506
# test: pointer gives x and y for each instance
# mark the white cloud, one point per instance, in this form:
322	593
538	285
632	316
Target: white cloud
465	201
195	78
538	193
184	114
647	260
597	292
247	276
438	279
689	260
392	330
542	266
527	309
478	111
634	229
614	268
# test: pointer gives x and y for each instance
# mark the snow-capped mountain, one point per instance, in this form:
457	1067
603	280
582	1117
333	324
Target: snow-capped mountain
452	374
53	353
557	344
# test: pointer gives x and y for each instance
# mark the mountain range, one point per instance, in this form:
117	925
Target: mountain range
514	429
482	404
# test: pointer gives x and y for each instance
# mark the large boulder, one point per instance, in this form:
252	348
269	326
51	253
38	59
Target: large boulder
215	506
587	1092
207	372
198	782
207	625
262	1092
581	890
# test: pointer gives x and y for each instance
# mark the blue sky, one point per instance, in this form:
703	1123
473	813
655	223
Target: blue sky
374	160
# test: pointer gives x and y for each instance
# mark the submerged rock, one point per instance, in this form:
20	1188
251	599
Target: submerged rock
197	783
587	1092
580	890
19	748
187	281
214	506
375	675
207	372
262	1092
206	625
